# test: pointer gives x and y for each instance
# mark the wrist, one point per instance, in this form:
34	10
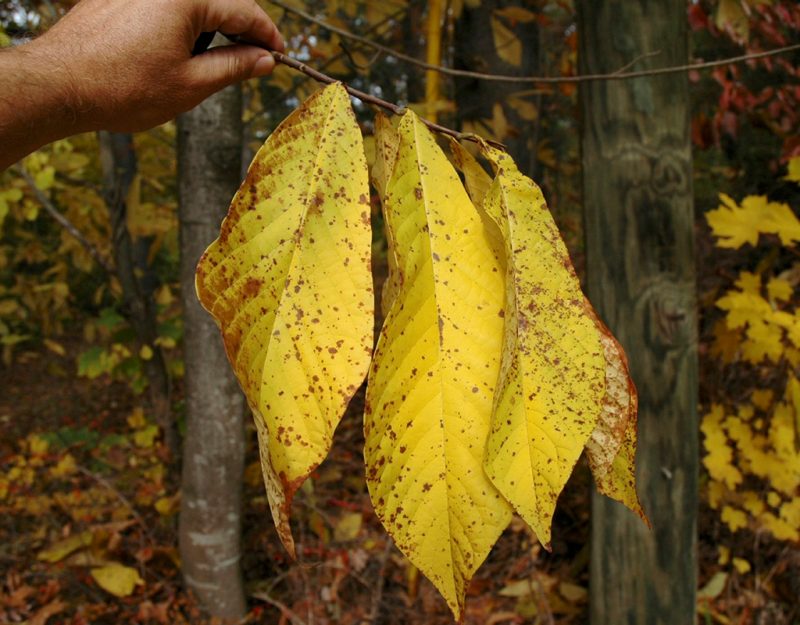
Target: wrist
38	103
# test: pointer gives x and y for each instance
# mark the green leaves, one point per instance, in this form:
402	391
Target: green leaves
491	373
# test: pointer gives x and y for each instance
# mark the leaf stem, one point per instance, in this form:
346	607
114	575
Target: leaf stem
393	108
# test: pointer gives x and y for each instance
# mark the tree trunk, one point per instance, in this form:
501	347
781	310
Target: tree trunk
476	50
118	160
209	149
641	274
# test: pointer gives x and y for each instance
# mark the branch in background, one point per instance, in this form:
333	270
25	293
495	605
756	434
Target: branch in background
618	75
64	222
280	57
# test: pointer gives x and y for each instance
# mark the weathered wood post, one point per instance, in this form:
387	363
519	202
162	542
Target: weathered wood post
638	201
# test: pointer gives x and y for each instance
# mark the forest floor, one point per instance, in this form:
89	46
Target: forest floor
88	531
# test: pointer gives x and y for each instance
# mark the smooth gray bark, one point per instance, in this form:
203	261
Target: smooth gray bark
209	151
638	201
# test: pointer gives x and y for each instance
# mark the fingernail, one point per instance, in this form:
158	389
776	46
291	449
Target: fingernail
264	65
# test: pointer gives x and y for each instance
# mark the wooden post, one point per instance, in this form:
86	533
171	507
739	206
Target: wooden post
637	169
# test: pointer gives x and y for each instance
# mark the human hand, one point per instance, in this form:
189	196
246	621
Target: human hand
126	65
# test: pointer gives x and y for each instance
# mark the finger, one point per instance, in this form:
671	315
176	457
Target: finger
226	65
243	18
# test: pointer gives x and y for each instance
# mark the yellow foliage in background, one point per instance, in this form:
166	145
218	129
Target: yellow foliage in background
752	446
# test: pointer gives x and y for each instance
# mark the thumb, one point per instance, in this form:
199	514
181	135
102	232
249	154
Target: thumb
226	65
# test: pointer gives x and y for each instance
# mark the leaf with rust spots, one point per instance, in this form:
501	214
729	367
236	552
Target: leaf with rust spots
433	377
288	281
611	449
476	179
552	378
387	142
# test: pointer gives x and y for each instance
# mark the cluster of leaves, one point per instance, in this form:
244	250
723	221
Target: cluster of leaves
78	527
491	373
42	267
49	280
752	436
745	115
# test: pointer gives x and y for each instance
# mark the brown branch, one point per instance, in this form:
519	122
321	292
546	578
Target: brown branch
396	109
285	610
63	221
617	75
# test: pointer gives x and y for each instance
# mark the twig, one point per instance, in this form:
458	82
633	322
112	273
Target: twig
356	64
285	609
63	221
396	109
617	75
641	57
122	498
377	597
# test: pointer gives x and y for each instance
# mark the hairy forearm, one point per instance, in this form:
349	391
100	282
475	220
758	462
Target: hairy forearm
37	102
124	65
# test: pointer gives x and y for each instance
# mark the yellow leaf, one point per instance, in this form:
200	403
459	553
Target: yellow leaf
476	179
288	282
736	519
387	143
718	459
37	445
499	122
732	17
764	340
45	178
55	347
117	579
167	506
434	373
164	296
526	110
752	503
611	449
714	587
744	308
780	529
572	592
66	466
793	400
736	225
516	14
552	380
506	43
347	527
779	290
146	352
741	565
727	341
724	555
773	499
762	398
790	512
61	549
749	282
136	419
146	437
794	170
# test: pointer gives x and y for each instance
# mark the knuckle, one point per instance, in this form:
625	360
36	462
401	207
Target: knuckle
236	66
